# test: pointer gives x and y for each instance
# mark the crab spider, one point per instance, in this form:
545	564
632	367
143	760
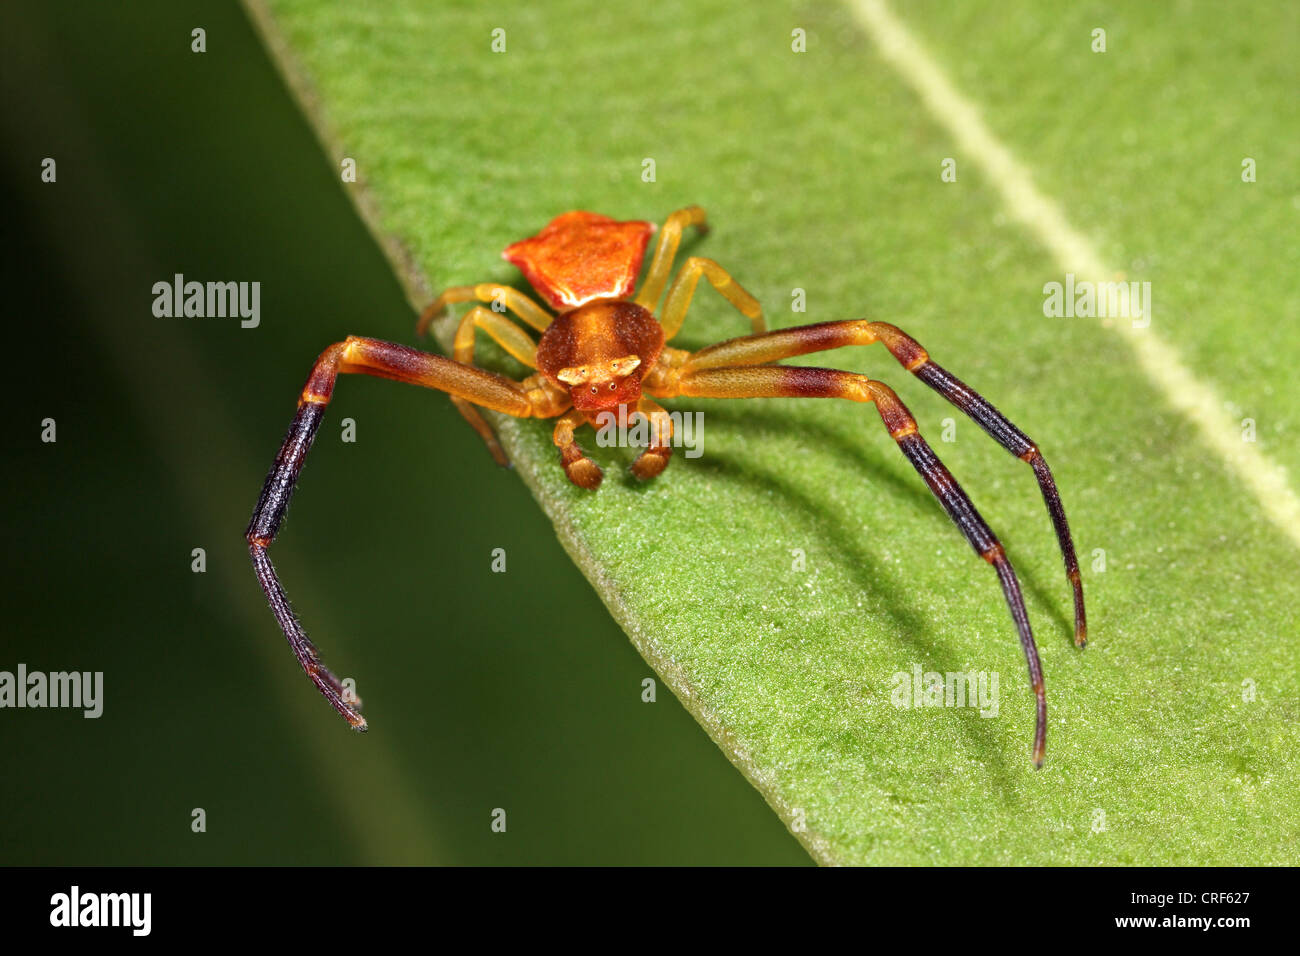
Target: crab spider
603	350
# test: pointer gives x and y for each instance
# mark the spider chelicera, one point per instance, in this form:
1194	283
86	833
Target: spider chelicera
604	351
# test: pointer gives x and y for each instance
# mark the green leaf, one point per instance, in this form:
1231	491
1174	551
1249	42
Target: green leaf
1172	738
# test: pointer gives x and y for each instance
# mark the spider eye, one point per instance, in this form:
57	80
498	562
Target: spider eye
612	386
593	389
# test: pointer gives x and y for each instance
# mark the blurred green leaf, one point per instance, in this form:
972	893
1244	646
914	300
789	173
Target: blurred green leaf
1173	737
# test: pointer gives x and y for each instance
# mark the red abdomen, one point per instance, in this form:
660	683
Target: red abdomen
582	256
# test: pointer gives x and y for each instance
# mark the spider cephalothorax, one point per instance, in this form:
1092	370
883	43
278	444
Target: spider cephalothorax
605	351
601	351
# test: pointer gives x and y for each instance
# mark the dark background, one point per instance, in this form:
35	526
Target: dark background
515	691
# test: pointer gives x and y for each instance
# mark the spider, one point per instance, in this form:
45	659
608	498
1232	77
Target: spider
604	351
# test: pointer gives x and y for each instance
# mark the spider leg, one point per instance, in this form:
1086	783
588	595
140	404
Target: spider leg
683	288
670	236
511	338
801	340
581	470
801	382
512	299
367	357
654	459
585	473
